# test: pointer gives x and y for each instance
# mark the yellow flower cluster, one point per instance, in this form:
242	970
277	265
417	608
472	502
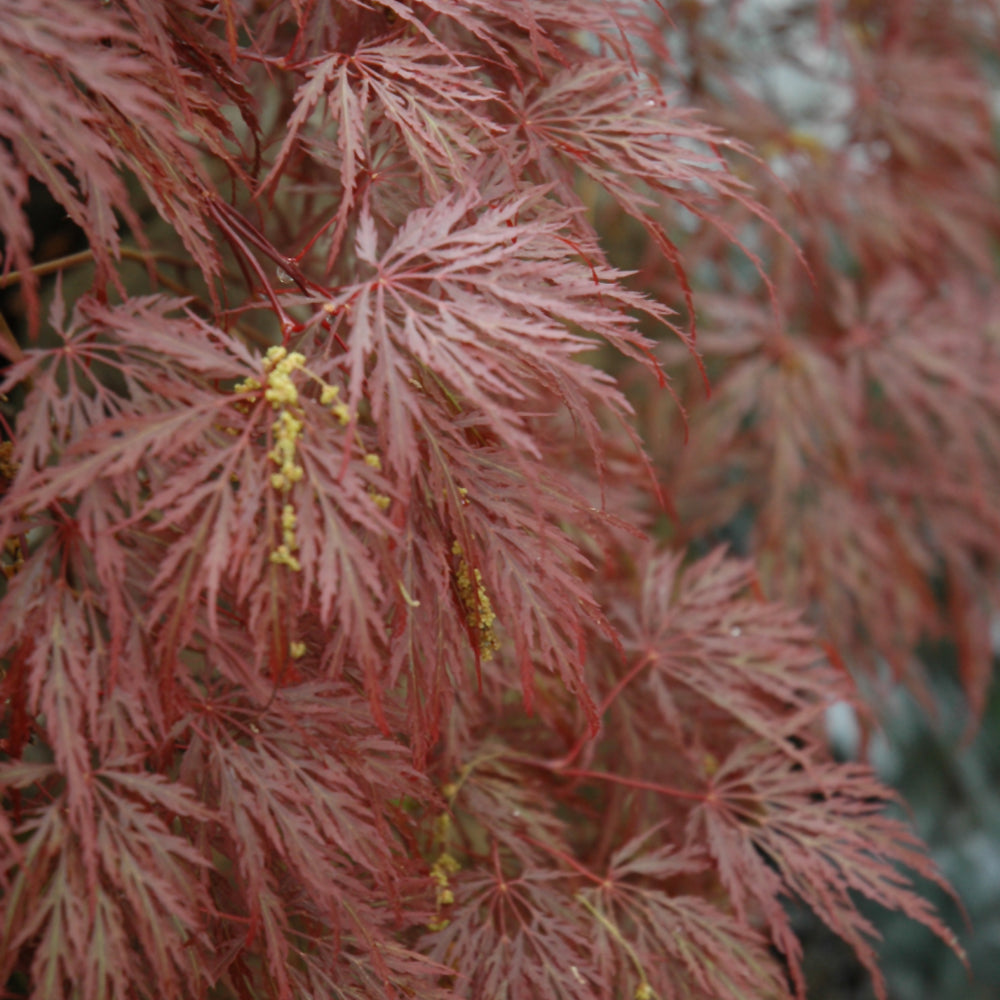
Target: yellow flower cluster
475	599
441	872
283	555
379	499
282	393
328	397
287	430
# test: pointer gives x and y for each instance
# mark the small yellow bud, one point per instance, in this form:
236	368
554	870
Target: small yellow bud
479	613
292	362
297	650
288	424
274	355
328	394
371	459
281	390
447	864
282	557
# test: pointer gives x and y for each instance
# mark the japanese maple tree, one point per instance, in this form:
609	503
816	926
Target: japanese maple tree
340	656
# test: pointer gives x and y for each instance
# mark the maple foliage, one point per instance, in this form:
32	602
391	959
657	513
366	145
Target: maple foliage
339	658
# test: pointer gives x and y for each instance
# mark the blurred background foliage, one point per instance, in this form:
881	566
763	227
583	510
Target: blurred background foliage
950	791
850	442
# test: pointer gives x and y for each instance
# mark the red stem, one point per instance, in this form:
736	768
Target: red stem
649	786
646	661
567	858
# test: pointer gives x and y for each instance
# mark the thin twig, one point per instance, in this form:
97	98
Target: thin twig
12	350
85	257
